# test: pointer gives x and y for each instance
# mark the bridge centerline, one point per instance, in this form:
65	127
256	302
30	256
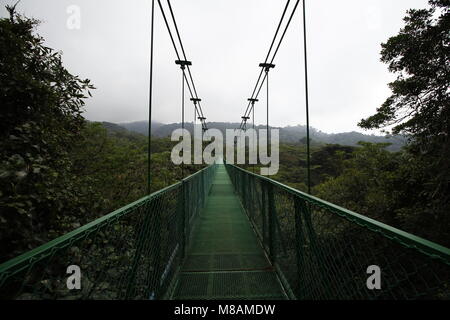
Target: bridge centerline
225	252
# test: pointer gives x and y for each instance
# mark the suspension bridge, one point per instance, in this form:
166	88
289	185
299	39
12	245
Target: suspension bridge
227	233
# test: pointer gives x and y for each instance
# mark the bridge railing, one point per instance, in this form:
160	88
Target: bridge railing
131	253
323	251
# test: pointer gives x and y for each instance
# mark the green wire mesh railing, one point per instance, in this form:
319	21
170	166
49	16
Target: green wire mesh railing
322	251
132	253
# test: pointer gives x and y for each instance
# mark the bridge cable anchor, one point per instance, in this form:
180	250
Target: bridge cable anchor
195	101
183	63
267	66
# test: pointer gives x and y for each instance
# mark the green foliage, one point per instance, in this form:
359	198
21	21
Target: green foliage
41	115
367	183
112	167
58	171
288	135
328	162
420	107
420	103
292	166
113	164
420	56
388	187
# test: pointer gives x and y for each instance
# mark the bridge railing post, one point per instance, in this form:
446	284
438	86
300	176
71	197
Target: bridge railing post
323	280
203	195
271	219
182	215
251	200
244	192
264	211
131	275
300	245
151	225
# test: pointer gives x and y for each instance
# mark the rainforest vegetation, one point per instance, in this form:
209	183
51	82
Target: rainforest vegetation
59	171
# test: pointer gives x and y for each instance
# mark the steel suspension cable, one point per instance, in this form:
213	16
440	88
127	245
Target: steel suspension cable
185	58
168	29
278	46
285	29
248	109
253	93
268	54
278	29
183	76
267	66
267	104
174	45
308	150
257	94
199	112
150	96
254	135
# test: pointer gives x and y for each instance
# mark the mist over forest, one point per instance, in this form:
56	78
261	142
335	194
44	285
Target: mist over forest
289	134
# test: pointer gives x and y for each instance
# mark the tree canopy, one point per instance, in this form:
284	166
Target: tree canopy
420	102
41	106
419	106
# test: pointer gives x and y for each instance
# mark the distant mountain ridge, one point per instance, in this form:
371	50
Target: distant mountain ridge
289	134
141	126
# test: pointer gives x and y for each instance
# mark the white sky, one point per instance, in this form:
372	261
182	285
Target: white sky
226	40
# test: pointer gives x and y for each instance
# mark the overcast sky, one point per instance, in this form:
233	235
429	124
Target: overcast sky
226	40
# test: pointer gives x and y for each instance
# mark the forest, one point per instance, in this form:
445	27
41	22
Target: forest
59	171
289	134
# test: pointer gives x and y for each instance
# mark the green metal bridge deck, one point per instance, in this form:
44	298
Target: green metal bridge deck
227	233
225	259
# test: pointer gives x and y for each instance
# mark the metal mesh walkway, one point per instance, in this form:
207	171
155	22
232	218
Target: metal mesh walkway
224	259
200	239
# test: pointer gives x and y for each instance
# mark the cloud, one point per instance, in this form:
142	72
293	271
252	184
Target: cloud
226	40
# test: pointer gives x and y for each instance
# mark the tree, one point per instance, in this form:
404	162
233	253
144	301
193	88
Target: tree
111	167
419	107
327	162
368	183
420	56
41	105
